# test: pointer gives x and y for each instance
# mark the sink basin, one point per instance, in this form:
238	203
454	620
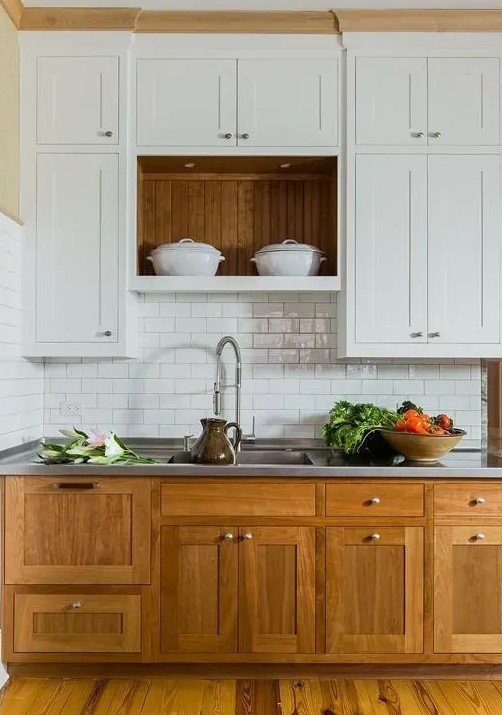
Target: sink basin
256	456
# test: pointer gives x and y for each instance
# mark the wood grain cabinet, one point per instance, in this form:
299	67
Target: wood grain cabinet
77	531
374	589
229	589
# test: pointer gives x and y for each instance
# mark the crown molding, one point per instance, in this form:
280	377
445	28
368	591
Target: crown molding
293	22
419	20
79	18
14	9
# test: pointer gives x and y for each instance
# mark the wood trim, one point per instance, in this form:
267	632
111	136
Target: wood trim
419	20
294	22
78	18
14	9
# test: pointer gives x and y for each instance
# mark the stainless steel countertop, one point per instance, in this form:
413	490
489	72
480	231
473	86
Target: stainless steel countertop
466	464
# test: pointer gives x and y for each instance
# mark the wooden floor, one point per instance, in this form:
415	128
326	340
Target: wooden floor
250	697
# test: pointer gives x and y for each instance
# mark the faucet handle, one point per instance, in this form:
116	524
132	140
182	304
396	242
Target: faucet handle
250	438
186	442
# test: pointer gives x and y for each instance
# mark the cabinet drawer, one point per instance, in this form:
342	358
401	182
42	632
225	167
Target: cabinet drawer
77	623
468	500
244	499
374	500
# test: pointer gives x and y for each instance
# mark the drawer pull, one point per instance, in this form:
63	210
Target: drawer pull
479	537
76	604
79	486
374	500
247	537
228	537
478	500
374	537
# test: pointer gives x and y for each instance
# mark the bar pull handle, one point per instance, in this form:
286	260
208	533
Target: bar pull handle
77	486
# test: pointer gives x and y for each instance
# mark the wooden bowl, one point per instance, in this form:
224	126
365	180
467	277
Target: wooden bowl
422	447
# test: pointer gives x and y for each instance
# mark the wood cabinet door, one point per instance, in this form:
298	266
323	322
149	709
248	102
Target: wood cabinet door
198	589
390	248
77	100
76	289
468	589
374	590
77	530
464	217
391	100
277	589
463	104
288	102
186	102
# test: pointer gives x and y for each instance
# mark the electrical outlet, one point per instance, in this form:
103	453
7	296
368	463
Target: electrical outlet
70	408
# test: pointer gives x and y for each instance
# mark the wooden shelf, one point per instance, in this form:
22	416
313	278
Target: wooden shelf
233	284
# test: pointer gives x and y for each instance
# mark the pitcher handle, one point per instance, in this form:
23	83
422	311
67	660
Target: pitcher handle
238	430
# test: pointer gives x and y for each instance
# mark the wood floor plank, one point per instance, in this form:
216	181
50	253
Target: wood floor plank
70	698
258	696
219	697
28	697
121	697
302	697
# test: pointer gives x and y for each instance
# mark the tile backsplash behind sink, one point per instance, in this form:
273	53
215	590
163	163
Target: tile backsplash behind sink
291	376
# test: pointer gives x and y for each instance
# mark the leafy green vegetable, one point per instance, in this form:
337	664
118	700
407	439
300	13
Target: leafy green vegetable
350	425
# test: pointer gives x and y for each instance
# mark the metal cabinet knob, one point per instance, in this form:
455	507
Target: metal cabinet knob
247	536
416	335
245	135
108	133
435	135
479	500
375	537
76	604
479	537
417	135
434	335
105	333
375	500
227	135
228	537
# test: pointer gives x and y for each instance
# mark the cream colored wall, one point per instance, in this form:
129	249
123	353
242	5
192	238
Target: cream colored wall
9	117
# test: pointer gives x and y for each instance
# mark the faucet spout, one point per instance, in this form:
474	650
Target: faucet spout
228	340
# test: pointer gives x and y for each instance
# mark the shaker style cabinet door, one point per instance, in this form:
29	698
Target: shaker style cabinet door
374	589
464	107
468	589
288	102
186	102
77	248
390	248
464	255
391	100
77	100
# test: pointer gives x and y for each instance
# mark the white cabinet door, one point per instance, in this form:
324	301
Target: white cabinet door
391	249
77	100
463	101
464	235
186	102
391	100
288	102
77	248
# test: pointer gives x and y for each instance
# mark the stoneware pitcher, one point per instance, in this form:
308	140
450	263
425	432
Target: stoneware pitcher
214	446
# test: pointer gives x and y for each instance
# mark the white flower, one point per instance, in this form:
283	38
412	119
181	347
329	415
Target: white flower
112	447
96	439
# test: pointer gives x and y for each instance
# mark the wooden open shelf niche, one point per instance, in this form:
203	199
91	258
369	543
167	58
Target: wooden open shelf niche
238	205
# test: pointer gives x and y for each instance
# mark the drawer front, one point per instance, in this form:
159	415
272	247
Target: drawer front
77	623
374	500
245	499
467	500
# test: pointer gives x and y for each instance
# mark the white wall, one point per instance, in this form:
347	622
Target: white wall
21	382
291	376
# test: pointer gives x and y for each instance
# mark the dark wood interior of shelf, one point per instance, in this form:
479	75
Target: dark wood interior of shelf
238	205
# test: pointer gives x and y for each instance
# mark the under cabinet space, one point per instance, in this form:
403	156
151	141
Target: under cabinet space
238	205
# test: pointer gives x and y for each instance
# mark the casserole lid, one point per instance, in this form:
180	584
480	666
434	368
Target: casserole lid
187	244
288	246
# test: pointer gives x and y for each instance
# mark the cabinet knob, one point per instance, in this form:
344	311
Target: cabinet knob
417	135
375	537
105	334
479	537
227	135
245	135
76	604
247	536
435	135
374	500
228	537
434	334
416	335
108	133
479	500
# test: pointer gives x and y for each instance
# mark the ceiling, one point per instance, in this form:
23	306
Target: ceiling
272	4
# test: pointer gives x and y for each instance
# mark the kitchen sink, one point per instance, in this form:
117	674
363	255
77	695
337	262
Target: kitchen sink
256	456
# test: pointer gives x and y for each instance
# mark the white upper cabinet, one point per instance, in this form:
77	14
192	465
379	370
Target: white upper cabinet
409	101
464	236
391	100
76	292
391	248
77	100
186	102
288	102
463	101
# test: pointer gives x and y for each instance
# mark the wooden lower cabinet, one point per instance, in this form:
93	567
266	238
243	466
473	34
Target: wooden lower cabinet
374	589
468	589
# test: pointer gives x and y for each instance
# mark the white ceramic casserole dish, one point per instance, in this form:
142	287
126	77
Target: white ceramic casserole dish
186	257
288	258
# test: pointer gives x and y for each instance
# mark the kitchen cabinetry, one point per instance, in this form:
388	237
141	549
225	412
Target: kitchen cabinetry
77	100
435	101
229	103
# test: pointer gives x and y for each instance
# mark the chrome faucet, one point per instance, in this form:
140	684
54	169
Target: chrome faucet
228	340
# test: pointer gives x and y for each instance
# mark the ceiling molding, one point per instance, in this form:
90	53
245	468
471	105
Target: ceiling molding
237	22
78	18
14	9
419	20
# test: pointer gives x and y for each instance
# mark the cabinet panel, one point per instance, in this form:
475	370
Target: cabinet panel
186	102
374	590
288	102
464	255
390	248
108	540
77	248
374	500
391	100
468	589
475	499
463	101
77	623
198	589
277	589
77	100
